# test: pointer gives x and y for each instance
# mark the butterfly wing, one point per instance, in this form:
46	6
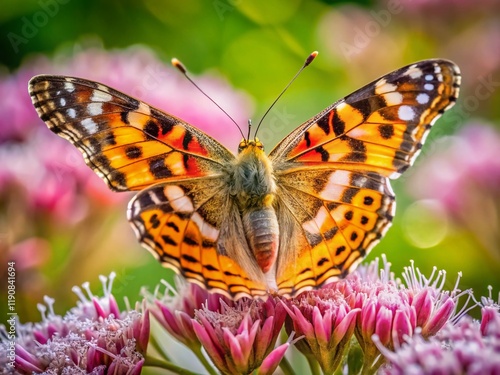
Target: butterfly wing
187	226
183	208
128	143
333	171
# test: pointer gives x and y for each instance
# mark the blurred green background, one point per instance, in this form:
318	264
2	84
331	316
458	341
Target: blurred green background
448	203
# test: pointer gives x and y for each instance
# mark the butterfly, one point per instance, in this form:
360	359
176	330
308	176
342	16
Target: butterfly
244	225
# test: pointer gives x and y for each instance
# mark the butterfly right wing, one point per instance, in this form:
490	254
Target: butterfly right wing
333	171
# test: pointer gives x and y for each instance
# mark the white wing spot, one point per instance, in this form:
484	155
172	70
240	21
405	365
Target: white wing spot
382	87
155	198
314	225
71	113
95	109
414	72
102	88
393	98
178	199
89	125
341	106
144	108
428	87
62	102
422	98
69	87
208	231
429	77
406	113
134	208
334	188
358	132
99	96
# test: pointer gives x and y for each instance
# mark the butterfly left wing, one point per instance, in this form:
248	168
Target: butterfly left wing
183	208
128	143
333	171
187	224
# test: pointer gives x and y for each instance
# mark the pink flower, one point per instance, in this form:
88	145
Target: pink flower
326	322
95	337
175	310
433	305
242	338
467	347
392	311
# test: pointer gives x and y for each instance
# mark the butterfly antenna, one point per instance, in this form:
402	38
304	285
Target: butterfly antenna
177	64
249	128
308	61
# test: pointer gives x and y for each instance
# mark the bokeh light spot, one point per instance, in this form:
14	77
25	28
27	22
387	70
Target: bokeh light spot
425	223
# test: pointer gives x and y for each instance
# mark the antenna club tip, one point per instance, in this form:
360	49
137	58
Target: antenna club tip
177	64
311	57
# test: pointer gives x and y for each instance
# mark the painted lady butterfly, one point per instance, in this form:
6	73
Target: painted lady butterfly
293	220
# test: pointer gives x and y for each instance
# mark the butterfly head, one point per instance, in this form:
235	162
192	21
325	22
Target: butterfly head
250	144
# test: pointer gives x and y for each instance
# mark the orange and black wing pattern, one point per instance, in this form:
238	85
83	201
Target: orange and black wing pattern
333	171
128	143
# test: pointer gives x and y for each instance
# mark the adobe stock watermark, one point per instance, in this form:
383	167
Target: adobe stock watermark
10	330
150	80
362	36
122	281
224	6
31	25
482	91
279	123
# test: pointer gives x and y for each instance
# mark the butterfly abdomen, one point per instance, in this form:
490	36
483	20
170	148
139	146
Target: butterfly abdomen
253	188
262	232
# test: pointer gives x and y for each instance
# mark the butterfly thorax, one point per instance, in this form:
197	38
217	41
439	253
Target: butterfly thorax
253	188
252	182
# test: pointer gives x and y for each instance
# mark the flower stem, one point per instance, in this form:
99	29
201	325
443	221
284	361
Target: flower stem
371	354
313	365
380	361
156	362
286	367
154	342
203	360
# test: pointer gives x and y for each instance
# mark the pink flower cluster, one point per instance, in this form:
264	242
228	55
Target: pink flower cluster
468	165
94	337
240	337
466	347
366	323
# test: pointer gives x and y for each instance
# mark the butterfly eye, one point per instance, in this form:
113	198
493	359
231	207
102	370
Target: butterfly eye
243	145
259	144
